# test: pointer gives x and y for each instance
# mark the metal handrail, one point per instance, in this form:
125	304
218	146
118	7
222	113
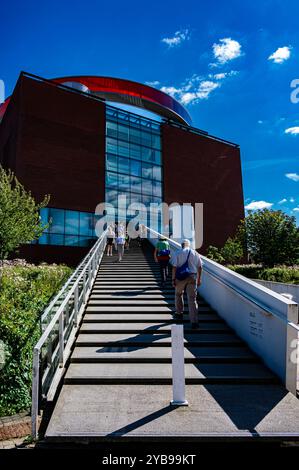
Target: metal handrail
63	289
53	348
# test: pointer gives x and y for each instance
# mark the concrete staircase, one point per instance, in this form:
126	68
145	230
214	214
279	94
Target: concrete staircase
122	355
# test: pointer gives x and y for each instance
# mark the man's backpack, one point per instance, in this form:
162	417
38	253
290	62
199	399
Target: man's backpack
182	272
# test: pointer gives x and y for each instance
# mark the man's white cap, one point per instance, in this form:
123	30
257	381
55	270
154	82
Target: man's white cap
186	242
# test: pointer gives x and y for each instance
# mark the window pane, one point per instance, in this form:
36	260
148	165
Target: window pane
123	148
56	239
44	217
147	171
135	135
135	151
71	240
111	162
111	145
157	173
147	154
146	139
111	129
135	168
44	239
86	224
57	216
156	157
123	132
72	222
157	191
146	187
86	241
111	179
156	141
123	182
135	184
123	165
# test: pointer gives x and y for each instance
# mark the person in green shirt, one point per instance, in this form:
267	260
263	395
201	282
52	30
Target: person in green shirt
162	256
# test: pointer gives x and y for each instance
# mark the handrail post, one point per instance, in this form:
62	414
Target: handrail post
61	339
76	305
35	394
178	366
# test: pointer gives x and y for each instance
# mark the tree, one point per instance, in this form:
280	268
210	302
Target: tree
230	253
19	214
271	237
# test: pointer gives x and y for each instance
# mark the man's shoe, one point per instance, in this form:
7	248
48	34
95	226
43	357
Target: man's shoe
178	316
194	326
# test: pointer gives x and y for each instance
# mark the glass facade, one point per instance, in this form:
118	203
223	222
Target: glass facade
68	228
133	161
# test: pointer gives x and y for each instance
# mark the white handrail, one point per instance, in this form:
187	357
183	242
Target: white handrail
280	347
68	322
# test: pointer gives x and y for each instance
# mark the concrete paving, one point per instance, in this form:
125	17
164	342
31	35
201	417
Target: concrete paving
215	411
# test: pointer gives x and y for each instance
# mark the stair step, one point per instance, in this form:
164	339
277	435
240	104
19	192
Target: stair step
162	354
146	373
138	309
157	339
143	317
91	328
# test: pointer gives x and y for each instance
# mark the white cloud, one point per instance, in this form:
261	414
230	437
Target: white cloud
153	83
227	49
292	176
292	130
178	38
292	199
256	205
282	201
223	75
281	55
191	91
260	122
296	209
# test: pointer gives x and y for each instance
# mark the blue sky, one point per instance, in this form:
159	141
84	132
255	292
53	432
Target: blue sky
230	62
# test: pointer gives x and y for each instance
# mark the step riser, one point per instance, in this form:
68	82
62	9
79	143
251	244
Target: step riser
159	381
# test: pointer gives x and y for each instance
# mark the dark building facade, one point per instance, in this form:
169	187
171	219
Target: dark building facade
62	138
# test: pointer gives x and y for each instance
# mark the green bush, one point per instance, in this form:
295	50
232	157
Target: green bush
284	274
24	294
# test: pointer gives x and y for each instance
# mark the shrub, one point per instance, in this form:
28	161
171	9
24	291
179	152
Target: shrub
24	294
284	274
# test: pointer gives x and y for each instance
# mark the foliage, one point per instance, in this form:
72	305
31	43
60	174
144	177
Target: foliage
231	252
284	274
24	294
272	237
19	214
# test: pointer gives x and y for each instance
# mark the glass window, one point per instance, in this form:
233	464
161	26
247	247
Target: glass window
111	162
135	151
111	179
86	241
71	222
123	182
135	135
57	217
156	141
157	191
135	168
135	184
156	157
56	239
71	240
146	139
123	165
147	154
157	173
111	145
123	148
147	170
123	132
86	224
111	129
44	239
146	187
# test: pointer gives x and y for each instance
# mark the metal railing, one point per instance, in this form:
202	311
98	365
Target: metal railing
239	301
53	348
